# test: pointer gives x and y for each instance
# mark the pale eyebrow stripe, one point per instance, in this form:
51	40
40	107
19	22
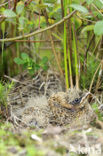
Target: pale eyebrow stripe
86	95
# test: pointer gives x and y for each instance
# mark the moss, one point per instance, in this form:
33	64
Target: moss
20	141
61	150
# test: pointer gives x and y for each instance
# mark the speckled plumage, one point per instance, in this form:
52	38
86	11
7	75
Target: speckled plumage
66	110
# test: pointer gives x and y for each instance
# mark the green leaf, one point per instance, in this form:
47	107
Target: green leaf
41	6
79	8
89	1
37	67
45	68
22	23
18	61
11	20
98	28
77	22
19	8
31	72
22	20
49	1
87	28
99	4
43	24
44	60
9	13
24	56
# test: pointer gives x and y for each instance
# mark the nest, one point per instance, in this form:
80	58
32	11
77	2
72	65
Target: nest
29	104
29	93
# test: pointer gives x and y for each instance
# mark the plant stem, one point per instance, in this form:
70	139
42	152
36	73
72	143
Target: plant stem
62	8
52	43
70	47
65	47
75	49
75	57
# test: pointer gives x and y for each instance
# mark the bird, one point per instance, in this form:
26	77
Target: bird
69	107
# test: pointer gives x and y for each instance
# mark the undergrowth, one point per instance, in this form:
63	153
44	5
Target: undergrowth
89	70
30	64
97	111
4	91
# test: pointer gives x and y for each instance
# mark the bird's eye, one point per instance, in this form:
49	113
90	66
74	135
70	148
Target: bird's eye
76	100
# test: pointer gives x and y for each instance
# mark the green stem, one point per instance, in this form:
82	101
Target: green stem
3	32
65	47
75	50
69	51
76	58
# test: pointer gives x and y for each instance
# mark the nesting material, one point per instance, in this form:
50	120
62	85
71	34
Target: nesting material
41	101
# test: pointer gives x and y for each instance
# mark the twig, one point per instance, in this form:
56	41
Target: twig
62	8
36	41
56	57
41	14
14	80
94	77
85	19
99	76
27	2
40	30
13	118
97	9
